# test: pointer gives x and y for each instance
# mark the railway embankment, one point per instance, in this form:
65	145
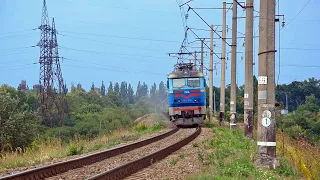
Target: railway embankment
49	152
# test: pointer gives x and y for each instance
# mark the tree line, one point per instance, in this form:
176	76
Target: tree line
98	111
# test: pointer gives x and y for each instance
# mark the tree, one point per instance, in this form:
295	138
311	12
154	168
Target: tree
110	88
144	90
297	92
92	87
130	94
123	90
79	87
138	92
162	92
153	93
103	89
18	126
117	88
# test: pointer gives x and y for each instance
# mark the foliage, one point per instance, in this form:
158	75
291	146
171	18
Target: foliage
297	92
103	89
304	122
42	150
301	154
91	113
228	155
18	124
141	127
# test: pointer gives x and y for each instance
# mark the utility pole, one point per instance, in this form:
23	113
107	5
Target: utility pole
248	86
223	66
233	95
214	102
266	87
201	65
211	75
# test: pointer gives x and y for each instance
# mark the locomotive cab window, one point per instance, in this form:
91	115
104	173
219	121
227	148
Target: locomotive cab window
193	82
178	83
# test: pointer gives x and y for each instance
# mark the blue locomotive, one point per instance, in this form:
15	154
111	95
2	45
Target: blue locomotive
186	94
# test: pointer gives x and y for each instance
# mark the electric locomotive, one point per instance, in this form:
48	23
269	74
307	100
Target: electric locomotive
186	94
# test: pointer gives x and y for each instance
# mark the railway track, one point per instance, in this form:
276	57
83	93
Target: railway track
116	163
61	167
126	170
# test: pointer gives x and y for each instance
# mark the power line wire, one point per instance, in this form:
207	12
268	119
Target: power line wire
122	37
93	40
108	53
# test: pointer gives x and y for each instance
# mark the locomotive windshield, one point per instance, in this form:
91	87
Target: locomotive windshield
193	82
178	83
189	82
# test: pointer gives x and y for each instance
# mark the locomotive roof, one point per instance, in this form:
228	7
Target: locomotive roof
180	74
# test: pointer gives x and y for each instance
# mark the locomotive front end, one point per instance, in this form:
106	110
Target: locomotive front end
186	94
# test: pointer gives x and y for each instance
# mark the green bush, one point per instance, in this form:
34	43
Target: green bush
141	127
74	150
295	131
65	133
157	127
208	125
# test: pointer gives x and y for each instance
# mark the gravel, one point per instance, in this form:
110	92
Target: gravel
105	165
178	165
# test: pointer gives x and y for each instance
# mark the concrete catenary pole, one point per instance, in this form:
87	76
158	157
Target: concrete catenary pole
211	75
223	66
248	86
201	64
266	87
233	93
214	102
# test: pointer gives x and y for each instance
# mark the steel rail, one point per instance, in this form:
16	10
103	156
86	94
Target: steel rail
61	167
126	170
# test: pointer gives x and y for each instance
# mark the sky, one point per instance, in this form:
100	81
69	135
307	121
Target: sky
129	40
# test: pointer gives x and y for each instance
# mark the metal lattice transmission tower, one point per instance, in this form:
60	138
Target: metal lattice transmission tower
60	98
45	80
51	97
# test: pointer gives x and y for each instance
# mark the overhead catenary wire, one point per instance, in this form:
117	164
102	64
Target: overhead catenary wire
208	25
305	5
206	44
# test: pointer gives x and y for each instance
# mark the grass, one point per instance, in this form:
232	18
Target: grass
174	161
41	150
228	155
304	156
